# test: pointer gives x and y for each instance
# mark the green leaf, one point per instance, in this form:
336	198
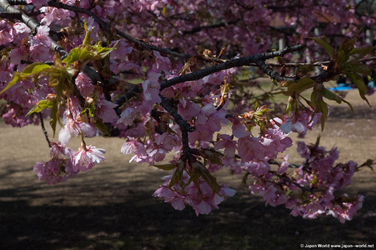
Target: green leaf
166	167
288	192
177	177
362	51
313	99
348	45
319	106
102	127
255	105
341	57
314	181
356	67
86	52
331	96
82	54
324	44
210	179
289	108
194	176
34	68
358	81
103	51
324	113
41	105
91	109
87	39
17	77
274	82
212	156
298	87
174	179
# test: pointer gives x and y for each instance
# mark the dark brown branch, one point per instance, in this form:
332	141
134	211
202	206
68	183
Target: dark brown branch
44	129
185	127
135	90
290	181
204	72
178	119
206	27
273	74
18	2
227	65
10	15
279	163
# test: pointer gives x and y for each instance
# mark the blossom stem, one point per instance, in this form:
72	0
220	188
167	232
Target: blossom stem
83	143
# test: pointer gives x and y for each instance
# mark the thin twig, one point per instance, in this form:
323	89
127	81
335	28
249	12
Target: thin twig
44	129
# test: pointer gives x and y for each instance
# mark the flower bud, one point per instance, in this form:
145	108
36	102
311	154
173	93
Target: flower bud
51	97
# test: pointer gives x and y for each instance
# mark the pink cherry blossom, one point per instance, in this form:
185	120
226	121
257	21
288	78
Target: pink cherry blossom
5	37
250	148
122	49
188	109
75	128
105	110
54	171
86	157
133	146
84	84
19	31
37	3
151	88
228	144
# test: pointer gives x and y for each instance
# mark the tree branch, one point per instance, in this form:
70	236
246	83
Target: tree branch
10	15
227	65
178	119
212	26
185	127
18	2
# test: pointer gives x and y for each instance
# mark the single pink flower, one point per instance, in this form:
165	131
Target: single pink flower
133	146
188	109
19	31
121	51
105	110
86	157
228	144
54	171
74	128
284	165
250	148
5	37
84	84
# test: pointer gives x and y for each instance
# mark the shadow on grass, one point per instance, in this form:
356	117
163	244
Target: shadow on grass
143	222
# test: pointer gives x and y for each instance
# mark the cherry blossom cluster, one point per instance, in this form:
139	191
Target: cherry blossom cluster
310	190
67	163
72	62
